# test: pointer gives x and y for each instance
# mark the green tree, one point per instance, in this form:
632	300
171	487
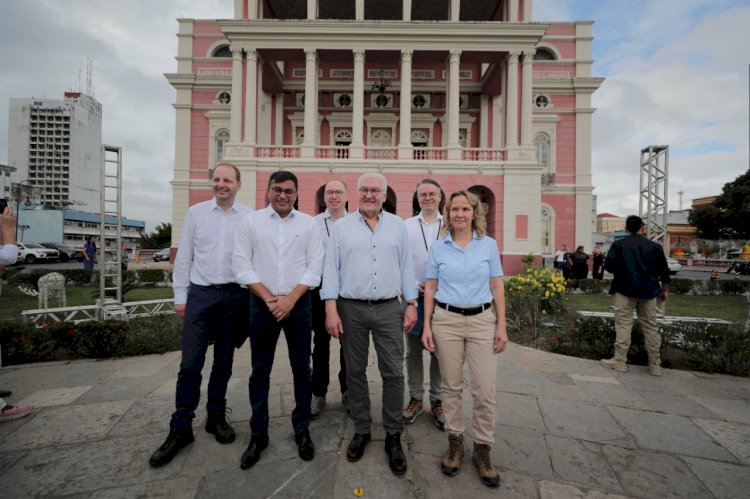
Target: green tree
161	237
728	217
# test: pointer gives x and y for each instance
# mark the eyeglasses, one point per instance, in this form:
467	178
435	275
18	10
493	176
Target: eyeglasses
425	195
278	191
365	191
334	193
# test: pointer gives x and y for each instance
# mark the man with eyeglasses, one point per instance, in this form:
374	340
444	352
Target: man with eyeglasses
278	254
334	196
423	230
213	305
368	272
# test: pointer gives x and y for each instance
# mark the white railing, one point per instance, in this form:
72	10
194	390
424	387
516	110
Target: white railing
372	152
85	313
277	151
476	154
332	152
430	153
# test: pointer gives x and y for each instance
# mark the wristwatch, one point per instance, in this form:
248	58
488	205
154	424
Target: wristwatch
413	303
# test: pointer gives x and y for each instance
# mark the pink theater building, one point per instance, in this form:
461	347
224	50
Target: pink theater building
470	93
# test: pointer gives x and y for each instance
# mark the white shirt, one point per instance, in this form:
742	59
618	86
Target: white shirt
8	254
279	253
421	236
325	222
204	256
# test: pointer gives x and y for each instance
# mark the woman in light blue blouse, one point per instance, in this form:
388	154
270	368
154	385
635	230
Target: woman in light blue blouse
464	306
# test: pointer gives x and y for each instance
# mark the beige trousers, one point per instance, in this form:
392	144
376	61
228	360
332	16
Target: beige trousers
467	340
646	309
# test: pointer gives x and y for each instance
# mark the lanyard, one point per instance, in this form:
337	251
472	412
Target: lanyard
424	238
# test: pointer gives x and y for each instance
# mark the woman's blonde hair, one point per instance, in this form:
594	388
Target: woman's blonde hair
479	221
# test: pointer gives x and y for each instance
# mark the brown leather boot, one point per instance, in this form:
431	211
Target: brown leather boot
482	461
451	460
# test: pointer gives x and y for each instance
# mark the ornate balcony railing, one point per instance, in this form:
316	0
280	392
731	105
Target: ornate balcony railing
332	152
380	153
476	154
430	153
277	151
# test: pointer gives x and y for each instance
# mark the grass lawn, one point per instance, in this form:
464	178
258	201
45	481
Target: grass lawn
13	301
731	308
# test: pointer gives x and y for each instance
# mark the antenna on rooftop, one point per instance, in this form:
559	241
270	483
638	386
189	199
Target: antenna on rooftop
680	193
89	87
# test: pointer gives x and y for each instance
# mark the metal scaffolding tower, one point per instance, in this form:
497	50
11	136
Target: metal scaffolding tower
654	192
110	259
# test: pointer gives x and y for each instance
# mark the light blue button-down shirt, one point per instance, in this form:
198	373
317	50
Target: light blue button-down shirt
204	256
367	264
464	275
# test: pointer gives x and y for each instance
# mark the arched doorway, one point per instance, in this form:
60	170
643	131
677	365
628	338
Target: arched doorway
487	197
390	201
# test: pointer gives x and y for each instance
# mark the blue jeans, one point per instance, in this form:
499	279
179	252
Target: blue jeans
213	313
264	334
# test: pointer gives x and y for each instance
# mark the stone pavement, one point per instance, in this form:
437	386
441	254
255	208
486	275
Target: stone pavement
566	427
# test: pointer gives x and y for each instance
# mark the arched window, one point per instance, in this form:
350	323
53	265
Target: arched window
223	51
343	138
541	142
222	137
381	138
543	54
546	231
418	139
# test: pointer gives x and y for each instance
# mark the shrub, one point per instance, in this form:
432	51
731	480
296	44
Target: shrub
594	286
154	276
707	287
537	291
681	286
156	334
734	287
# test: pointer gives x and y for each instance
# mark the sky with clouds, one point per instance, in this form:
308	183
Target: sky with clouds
676	73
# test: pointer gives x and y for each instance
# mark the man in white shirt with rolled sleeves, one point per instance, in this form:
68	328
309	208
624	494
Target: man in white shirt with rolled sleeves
213	306
278	254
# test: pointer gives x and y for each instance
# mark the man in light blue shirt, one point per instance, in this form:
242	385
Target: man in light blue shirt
278	254
214	306
368	272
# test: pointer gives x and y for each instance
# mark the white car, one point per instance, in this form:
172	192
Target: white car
674	266
32	252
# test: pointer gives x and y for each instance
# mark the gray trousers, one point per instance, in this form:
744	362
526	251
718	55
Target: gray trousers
414	369
385	321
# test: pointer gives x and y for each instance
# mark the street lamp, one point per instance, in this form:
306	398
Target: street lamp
22	228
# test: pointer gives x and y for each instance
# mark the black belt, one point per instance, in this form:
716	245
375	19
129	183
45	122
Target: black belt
219	286
371	302
464	311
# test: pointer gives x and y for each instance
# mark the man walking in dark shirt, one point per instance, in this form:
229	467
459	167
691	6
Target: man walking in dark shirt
641	275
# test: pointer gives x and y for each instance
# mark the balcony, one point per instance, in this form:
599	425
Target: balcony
376	153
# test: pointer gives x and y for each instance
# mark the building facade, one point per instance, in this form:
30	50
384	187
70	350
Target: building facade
471	93
56	145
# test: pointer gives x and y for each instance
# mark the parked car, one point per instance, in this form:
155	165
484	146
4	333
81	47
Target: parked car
162	255
674	266
67	253
32	252
733	253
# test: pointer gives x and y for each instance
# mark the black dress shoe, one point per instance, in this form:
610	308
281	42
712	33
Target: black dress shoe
396	457
176	440
5	393
305	445
218	426
357	447
252	453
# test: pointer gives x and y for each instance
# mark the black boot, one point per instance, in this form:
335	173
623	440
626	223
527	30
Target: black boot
176	440
218	426
305	445
396	457
252	453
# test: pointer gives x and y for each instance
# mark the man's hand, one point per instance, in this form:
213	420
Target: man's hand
410	318
427	342
180	310
663	295
281	306
333	324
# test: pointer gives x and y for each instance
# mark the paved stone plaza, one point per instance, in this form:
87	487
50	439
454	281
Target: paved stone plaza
566	427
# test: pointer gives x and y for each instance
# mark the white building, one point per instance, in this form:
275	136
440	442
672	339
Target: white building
56	145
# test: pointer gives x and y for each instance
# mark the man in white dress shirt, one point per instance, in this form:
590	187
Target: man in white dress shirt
213	306
278	254
334	196
423	230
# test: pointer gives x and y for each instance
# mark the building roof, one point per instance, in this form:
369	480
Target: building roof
82	216
607	215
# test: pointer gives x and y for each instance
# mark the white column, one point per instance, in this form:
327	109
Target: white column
404	142
235	120
526	89
455	10
527	11
356	148
359	10
454	147
312	9
238	8
311	102
251	96
484	125
252	9
406	4
511	107
513	11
